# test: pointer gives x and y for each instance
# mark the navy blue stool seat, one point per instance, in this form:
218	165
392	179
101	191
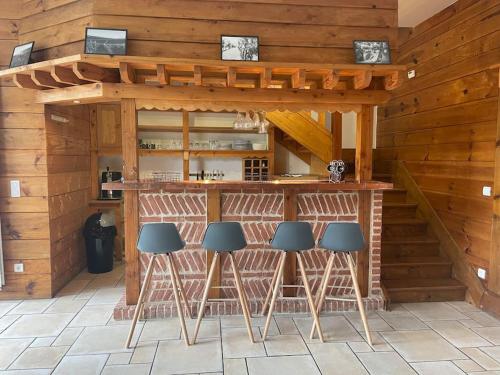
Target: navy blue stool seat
224	237
343	239
161	239
290	236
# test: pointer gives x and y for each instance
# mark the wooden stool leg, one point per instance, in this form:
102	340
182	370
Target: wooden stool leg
358	298
140	301
177	298
281	266
320	296
245	295
241	295
181	288
271	288
312	307
147	283
201	312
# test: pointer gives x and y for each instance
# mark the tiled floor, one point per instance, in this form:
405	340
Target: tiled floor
75	334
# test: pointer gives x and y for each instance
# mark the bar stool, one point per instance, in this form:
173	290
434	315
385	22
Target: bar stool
290	236
224	237
343	238
157	239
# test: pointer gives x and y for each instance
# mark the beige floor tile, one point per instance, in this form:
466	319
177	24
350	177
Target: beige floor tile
385	364
97	315
163	329
470	323
285	345
7	320
236	344
209	328
433	368
293	365
379	344
375	322
144	352
481	358
456	333
360	347
42	341
286	326
66	305
37	325
335	328
468	365
336	358
27	372
493	352
137	369
174	357
422	346
235	366
35	306
68	336
98	340
463	306
73	288
45	357
106	296
5	307
402	320
10	349
81	365
491	334
434	311
485	319
119	359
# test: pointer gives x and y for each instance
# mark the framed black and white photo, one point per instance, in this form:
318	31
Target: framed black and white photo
21	55
372	52
105	41
239	48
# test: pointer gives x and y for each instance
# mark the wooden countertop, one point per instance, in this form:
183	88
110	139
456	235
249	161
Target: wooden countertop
231	185
105	202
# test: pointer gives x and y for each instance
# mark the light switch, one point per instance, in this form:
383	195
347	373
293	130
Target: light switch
487	191
15	188
18	267
411	74
481	273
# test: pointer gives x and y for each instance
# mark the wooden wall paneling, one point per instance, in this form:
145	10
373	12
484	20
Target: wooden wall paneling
214	215
290	272
131	198
364	144
94	157
109	134
185	145
336	129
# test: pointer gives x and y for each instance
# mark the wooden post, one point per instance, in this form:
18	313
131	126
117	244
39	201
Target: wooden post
336	135
185	145
94	162
494	277
131	200
364	143
213	215
290	214
271	139
363	257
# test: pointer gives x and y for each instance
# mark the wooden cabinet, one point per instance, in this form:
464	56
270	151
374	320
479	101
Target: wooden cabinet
109	141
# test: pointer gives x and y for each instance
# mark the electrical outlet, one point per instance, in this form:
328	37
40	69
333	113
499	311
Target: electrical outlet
411	74
15	188
487	191
481	273
18	267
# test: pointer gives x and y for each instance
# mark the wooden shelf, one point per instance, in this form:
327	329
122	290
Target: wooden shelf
178	129
208	153
147	152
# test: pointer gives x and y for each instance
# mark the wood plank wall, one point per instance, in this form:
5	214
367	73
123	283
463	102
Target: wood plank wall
443	122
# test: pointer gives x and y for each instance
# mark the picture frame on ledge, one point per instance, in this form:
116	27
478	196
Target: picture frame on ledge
21	55
239	48
372	52
99	41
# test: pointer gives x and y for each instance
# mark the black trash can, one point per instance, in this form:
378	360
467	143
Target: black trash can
100	243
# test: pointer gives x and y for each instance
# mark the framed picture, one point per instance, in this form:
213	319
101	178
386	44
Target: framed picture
105	41
372	52
21	55
239	48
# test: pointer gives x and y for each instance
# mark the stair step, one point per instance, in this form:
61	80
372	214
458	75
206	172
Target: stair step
409	247
399	209
401	226
425	290
385	177
415	267
395	195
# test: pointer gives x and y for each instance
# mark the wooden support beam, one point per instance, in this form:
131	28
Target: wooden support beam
290	214
66	76
93	73
24	81
364	144
214	215
231	77
44	79
185	145
197	75
266	77
94	158
362	79
131	200
127	72
336	128
392	81
363	257
162	74
299	79
494	266
330	80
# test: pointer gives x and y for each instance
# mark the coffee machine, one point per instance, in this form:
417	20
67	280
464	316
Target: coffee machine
110	176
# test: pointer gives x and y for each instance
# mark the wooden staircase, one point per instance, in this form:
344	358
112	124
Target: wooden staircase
413	268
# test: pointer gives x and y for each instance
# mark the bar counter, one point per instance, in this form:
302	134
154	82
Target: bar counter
259	207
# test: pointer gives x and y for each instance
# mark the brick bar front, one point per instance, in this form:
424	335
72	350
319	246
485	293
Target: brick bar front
259	210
